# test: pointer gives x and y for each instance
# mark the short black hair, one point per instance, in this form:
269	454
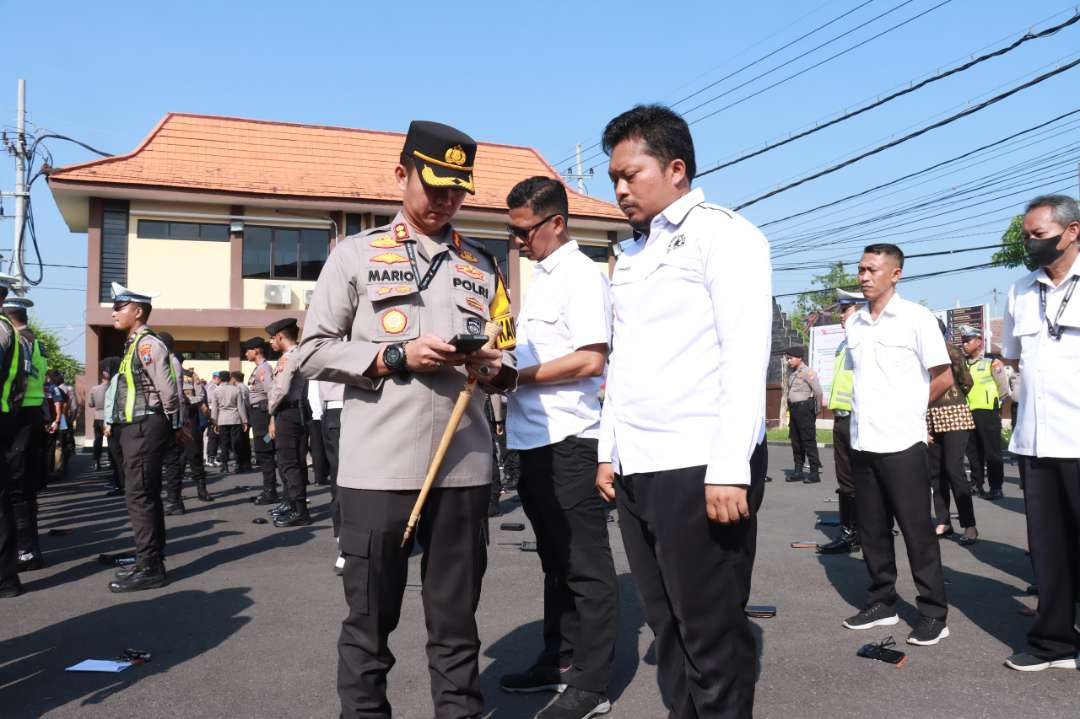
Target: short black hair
544	196
664	131
406	160
884	248
146	309
223	375
291	331
237	375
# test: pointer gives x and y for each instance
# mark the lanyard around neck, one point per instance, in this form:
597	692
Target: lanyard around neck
1054	328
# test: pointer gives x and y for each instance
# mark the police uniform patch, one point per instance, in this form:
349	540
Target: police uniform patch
401	231
146	355
468	256
676	242
394	322
470	271
474	303
474	325
385	242
399	290
389	258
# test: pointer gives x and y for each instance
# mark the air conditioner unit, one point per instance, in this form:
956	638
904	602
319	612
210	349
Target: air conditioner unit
274	294
308	294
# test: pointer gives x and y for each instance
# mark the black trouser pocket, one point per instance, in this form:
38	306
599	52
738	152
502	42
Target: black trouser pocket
355	544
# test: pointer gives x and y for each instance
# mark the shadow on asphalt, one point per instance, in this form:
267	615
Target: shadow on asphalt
174	628
518	650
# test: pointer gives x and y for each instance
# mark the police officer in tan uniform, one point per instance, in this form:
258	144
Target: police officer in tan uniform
284	402
398	293
146	419
803	397
228	412
262	376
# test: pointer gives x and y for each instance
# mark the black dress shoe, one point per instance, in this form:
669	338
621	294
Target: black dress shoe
147	576
280	509
795	476
30	561
267	498
812	478
948	532
204	496
293	519
173	509
11	589
846	543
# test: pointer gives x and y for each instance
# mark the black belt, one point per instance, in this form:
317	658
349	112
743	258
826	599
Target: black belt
295	404
800	401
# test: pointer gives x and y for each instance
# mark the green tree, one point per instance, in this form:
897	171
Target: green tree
809	303
54	352
1012	252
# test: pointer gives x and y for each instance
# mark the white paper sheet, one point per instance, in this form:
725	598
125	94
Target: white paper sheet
99	665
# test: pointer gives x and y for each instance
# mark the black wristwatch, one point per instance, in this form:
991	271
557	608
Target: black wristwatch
394	358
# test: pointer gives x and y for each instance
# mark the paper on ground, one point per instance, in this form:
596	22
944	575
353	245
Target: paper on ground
99	665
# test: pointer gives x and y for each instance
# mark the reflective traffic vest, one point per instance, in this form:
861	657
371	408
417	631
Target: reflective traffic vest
35	378
843	382
984	391
10	370
127	375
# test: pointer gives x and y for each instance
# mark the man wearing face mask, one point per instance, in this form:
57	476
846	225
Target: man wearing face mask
1042	338
396	294
554	422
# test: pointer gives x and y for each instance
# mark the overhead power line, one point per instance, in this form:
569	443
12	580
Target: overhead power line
910	136
889	98
909	278
825	264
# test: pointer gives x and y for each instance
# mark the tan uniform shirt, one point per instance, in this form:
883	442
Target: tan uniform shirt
288	383
154	384
803	384
96	400
259	382
370	293
228	407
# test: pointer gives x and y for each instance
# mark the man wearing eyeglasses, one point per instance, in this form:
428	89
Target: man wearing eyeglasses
553	420
1042	338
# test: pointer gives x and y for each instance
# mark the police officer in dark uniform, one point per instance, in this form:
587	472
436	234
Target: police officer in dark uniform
804	397
285	403
146	417
262	377
395	295
13	370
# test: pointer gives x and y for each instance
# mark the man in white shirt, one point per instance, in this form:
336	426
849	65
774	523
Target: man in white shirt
553	420
1042	338
901	365
683	425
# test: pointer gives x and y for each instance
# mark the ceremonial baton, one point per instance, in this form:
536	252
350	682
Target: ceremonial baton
492	330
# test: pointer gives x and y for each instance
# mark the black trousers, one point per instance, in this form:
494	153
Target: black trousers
1052	503
9	543
243	450
289	441
229	437
946	457
143	444
984	449
694	580
116	458
213	445
452	532
26	464
99	436
804	434
320	463
193	455
264	450
897	484
331	437
842	455
172	470
581	595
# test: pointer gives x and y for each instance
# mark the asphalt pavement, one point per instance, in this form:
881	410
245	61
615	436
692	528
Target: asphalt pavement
248	624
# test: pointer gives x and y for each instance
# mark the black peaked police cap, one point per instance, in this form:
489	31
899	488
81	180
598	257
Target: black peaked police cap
443	155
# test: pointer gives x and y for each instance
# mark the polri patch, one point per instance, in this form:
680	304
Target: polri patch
146	353
401	231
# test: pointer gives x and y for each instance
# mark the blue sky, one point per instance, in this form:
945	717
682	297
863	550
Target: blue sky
550	75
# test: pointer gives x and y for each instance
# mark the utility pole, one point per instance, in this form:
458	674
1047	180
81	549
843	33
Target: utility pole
580	175
19	149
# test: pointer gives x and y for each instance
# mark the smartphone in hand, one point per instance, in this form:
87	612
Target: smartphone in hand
467	343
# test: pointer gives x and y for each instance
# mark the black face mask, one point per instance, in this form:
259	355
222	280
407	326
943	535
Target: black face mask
1042	252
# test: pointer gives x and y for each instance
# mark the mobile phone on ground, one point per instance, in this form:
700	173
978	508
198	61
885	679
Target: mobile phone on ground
467	343
881	652
760	611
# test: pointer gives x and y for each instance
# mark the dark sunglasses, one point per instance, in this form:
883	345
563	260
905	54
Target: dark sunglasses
523	233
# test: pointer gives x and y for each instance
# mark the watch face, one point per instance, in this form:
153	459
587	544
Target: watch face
393	357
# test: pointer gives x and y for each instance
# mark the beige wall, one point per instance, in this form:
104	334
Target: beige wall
187	274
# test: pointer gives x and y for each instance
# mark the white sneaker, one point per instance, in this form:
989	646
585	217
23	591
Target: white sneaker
339	565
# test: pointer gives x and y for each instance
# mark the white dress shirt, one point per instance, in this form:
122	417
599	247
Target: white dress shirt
690	347
893	356
568	307
1049	369
314	400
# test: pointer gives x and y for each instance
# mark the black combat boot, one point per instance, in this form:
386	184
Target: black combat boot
175	506
848	541
150	575
297	517
26	529
267	496
204	496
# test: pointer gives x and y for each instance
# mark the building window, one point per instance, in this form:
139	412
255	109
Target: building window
284	253
160	230
354	224
381	220
114	247
195	350
596	253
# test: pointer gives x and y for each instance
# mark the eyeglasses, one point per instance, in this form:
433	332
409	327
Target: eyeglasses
523	233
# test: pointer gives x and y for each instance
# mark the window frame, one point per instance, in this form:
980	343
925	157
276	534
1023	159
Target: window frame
271	271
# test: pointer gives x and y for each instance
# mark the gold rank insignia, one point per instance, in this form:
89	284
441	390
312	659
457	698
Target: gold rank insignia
468	256
401	231
399	290
469	271
394	321
474	303
385	242
389	258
